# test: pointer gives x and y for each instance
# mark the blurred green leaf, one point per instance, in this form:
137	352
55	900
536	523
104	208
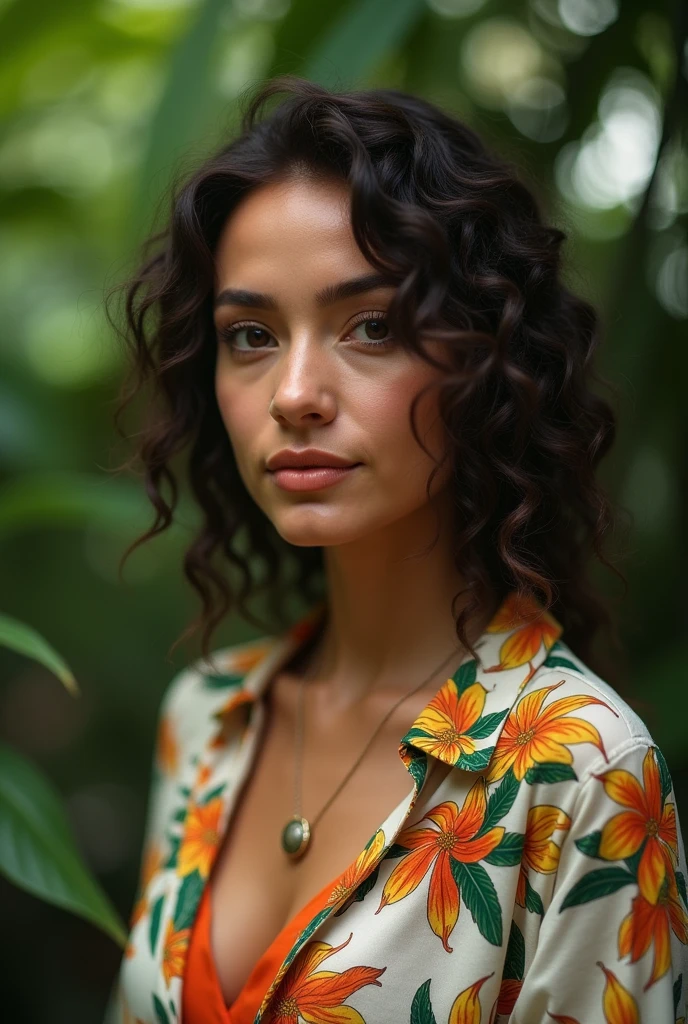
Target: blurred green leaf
37	851
25	21
26	640
73	499
175	126
361	37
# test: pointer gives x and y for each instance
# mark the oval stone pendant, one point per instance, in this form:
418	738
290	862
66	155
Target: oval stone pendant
296	835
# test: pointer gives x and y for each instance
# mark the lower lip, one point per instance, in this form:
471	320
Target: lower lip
311	479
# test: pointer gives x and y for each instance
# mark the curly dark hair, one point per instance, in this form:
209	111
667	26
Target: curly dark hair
477	268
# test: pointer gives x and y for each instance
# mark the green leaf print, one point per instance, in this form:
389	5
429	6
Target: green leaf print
663	773
678	984
361	891
590	844
223	681
515	960
421	1007
549	773
500	801
681	884
190	893
509	851
557	660
486	725
596	884
465	676
480	896
396	850
418	767
218	791
160	1011
477	761
533	900
156	914
175	842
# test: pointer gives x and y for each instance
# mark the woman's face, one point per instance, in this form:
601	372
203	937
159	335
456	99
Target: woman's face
305	366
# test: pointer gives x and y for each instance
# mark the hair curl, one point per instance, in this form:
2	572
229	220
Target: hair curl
477	268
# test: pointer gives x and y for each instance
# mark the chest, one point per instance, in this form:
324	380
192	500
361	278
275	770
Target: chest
255	888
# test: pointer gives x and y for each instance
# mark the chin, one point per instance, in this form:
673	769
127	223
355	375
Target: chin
308	527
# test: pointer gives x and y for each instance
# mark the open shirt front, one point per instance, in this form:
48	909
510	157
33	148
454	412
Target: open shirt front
543	880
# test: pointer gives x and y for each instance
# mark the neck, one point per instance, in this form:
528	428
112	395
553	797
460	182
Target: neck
390	617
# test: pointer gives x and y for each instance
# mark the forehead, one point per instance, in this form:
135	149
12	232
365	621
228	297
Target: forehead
299	226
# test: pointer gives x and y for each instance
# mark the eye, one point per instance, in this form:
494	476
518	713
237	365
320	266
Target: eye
253	334
371	330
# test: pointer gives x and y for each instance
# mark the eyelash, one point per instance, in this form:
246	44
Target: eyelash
228	333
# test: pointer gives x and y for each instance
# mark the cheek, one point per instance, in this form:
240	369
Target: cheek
240	413
386	415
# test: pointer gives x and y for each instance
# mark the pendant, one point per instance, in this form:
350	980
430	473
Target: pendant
296	835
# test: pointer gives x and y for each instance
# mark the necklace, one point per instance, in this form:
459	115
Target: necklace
296	834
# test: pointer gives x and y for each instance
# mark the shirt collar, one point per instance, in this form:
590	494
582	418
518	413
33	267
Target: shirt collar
461	724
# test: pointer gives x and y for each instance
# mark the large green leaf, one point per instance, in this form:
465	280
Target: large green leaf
37	851
360	38
22	638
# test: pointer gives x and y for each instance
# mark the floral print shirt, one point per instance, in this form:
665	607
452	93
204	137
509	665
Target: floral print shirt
543	881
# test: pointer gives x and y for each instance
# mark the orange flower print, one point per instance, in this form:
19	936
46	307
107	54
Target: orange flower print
167	746
200	839
651	924
152	862
648	820
174	952
540	852
356	872
533	736
618	1004
447	719
525	641
454	838
509	991
466	1006
318	996
202	775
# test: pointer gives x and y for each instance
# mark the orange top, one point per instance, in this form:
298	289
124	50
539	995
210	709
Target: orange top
202	997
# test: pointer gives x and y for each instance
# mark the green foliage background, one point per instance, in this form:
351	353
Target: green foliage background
102	102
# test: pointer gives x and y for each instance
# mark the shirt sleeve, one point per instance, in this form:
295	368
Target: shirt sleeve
166	791
612	947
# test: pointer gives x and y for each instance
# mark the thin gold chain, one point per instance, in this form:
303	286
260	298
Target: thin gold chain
299	741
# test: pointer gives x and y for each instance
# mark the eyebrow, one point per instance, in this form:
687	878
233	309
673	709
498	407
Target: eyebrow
325	297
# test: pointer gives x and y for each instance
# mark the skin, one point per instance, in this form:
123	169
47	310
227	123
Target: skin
308	380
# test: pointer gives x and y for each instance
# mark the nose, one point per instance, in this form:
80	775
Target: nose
304	385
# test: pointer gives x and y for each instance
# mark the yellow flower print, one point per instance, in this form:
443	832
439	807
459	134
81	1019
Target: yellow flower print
448	718
648	819
167	750
318	996
354	875
174	952
466	1006
201	838
540	852
533	736
525	641
618	1004
455	837
152	862
651	924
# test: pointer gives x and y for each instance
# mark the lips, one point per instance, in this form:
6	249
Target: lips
307	458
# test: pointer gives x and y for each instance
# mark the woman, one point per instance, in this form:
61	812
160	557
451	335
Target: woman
415	802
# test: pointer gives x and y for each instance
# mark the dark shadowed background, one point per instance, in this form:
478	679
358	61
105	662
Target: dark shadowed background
101	102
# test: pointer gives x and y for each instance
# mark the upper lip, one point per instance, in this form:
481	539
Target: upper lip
290	457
